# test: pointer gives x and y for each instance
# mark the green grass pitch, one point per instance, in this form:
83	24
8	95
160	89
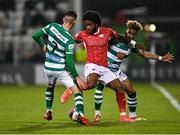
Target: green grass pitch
22	108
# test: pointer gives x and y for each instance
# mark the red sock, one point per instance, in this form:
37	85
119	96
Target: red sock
121	101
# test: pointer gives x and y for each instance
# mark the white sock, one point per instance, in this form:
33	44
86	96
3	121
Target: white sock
122	113
49	110
132	115
97	112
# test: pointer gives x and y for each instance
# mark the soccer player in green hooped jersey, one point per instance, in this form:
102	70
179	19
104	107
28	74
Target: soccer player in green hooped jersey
117	53
59	62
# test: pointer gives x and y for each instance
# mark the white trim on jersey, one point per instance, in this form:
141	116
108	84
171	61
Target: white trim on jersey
56	52
116	49
69	52
44	31
54	65
113	57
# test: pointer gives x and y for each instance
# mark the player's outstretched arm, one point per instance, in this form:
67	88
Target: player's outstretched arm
148	55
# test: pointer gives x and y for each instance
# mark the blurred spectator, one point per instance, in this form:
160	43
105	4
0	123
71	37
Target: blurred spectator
60	8
38	20
27	21
119	18
2	18
7	5
29	5
9	54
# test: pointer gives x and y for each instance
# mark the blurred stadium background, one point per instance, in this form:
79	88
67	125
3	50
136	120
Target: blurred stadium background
21	64
21	59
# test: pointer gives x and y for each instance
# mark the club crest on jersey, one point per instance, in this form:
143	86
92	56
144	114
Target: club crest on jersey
101	35
71	46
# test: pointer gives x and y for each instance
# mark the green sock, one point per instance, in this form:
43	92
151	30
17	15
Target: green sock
78	99
49	98
98	97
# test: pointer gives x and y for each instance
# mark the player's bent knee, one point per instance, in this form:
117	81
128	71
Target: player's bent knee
91	85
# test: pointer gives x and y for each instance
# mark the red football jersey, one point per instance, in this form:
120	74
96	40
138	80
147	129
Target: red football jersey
96	45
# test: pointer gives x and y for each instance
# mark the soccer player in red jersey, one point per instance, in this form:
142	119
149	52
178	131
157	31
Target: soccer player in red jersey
95	39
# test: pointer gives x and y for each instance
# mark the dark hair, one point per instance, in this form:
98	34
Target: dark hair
93	16
71	13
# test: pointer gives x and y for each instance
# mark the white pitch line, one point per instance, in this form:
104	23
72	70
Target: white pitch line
170	98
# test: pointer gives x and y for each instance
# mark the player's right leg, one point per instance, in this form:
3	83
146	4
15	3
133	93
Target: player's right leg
98	98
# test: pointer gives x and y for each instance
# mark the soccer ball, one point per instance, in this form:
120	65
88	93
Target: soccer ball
73	115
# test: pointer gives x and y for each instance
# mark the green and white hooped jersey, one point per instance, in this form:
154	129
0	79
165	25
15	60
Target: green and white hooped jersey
113	62
60	43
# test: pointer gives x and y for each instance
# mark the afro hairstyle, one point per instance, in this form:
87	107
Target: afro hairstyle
93	16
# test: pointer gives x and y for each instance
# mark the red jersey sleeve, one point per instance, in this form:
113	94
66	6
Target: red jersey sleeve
113	33
78	36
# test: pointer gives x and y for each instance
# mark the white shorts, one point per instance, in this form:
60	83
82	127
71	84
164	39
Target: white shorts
105	74
62	76
120	75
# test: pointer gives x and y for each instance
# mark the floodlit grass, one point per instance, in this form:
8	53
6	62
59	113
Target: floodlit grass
22	108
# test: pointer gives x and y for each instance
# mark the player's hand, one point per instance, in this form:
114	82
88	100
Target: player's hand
168	57
81	83
44	49
120	55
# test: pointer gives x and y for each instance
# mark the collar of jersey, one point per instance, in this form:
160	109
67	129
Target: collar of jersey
97	31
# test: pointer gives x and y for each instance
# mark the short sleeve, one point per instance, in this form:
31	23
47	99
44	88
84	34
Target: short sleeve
113	33
134	50
78	36
70	47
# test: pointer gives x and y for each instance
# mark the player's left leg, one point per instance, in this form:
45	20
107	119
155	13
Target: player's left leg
132	100
49	94
79	105
49	101
118	87
78	98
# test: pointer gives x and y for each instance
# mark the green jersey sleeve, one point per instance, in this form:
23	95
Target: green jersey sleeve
37	35
69	50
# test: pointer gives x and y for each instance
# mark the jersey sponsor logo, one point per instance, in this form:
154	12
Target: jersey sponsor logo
101	35
59	35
